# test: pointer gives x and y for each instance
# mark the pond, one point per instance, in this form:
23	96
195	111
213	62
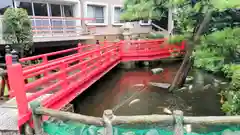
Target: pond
127	92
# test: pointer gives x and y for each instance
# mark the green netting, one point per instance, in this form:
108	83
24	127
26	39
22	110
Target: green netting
71	128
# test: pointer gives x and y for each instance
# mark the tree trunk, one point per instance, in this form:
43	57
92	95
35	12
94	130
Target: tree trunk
187	62
184	69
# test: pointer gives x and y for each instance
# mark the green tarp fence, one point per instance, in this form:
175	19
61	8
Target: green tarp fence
74	128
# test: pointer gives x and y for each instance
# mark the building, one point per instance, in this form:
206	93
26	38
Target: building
66	22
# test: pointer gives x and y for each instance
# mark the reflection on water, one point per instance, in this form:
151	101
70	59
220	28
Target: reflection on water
123	91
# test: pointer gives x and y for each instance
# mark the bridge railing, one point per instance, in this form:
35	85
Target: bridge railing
45	26
62	79
59	77
150	49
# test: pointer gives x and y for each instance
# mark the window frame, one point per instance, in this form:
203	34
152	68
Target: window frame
145	24
113	14
48	7
105	13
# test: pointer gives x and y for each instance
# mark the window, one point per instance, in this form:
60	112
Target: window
98	12
145	22
57	23
40	9
48	9
68	10
116	13
55	10
25	5
4	4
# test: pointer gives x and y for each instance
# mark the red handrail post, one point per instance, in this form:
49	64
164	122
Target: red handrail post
45	61
183	45
121	48
79	48
98	54
8	61
8	57
17	84
63	69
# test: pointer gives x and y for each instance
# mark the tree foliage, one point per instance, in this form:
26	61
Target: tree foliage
17	29
144	9
217	49
189	16
232	105
189	13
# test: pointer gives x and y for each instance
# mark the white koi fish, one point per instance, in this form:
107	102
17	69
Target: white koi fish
167	111
134	102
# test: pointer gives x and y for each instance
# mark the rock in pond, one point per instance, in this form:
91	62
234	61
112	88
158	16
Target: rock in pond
160	85
190	87
215	84
189	79
146	63
217	81
157	70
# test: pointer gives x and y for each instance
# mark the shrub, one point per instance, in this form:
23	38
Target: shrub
17	29
217	49
208	59
155	36
232	94
176	39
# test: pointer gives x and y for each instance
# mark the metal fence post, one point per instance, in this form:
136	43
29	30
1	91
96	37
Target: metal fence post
107	118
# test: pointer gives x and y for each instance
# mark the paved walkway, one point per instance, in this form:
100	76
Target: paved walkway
9	114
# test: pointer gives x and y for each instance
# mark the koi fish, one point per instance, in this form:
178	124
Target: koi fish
134	101
167	111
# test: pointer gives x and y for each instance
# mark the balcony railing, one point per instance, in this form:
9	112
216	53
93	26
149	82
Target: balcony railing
53	27
44	26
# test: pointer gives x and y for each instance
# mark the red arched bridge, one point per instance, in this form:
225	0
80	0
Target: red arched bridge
56	82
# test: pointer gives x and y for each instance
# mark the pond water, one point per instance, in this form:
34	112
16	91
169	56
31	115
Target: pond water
123	92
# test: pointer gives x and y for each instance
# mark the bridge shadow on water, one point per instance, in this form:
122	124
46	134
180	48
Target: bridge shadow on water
123	92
